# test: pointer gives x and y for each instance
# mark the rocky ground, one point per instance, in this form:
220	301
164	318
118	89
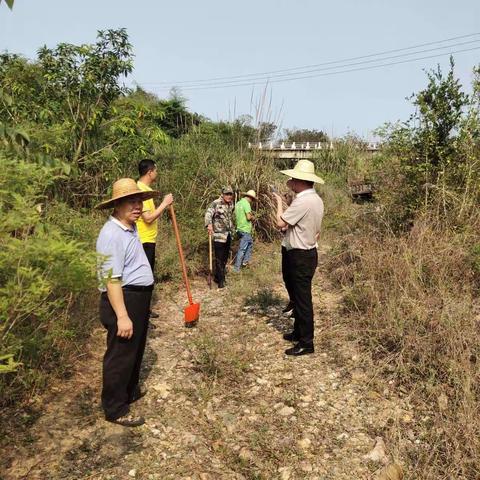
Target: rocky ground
224	402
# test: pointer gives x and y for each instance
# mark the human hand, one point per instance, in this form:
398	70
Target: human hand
210	229
168	199
276	196
124	327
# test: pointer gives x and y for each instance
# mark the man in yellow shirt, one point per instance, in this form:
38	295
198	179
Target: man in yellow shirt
147	224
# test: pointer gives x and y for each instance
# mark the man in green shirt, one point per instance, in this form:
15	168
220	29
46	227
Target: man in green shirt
243	217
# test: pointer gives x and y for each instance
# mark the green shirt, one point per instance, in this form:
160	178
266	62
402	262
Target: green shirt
242	207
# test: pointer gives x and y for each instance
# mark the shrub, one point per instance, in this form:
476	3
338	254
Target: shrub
42	271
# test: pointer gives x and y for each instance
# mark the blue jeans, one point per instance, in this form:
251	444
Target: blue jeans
244	253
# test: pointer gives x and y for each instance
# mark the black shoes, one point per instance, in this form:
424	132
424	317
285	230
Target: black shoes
288	308
128	420
290	337
221	284
300	349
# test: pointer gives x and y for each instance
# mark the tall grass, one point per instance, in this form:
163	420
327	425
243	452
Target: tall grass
194	169
413	301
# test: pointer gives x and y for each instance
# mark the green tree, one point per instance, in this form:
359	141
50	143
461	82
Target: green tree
305	135
83	81
440	107
432	164
266	131
21	90
178	120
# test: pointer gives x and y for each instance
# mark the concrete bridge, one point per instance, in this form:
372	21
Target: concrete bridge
301	150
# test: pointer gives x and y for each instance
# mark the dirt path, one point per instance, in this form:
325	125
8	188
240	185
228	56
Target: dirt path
224	402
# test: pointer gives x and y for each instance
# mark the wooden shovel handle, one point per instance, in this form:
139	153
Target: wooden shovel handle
210	262
180	253
210	256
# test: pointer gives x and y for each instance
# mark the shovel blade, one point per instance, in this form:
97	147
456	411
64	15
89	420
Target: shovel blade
192	314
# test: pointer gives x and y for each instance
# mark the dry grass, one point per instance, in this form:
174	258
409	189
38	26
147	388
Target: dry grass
412	301
218	359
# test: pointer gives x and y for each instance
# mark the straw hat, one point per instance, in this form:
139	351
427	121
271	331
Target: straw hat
125	187
251	194
303	170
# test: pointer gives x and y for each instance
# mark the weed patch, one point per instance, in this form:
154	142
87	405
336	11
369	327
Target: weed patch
263	300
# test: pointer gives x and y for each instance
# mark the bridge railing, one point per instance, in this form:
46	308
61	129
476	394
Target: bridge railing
371	146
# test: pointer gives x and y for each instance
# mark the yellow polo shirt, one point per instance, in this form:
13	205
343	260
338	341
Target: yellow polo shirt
147	231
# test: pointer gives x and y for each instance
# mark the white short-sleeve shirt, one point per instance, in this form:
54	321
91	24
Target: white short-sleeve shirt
304	218
121	255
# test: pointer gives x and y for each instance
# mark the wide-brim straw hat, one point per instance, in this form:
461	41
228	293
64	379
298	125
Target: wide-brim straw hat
251	194
125	187
303	170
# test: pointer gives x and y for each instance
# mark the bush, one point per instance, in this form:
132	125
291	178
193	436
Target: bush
42	270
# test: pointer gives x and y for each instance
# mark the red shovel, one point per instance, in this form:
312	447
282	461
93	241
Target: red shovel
192	310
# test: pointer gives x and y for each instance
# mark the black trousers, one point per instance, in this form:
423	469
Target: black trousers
286	277
298	268
150	252
222	251
123	358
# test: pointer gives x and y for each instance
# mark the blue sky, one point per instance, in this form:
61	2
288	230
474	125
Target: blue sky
185	40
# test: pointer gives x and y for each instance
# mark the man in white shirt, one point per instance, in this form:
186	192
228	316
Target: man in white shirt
302	221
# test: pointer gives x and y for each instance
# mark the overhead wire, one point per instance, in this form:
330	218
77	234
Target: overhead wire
325	74
331	65
299	75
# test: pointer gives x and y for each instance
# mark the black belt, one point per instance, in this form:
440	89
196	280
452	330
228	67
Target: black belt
138	288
